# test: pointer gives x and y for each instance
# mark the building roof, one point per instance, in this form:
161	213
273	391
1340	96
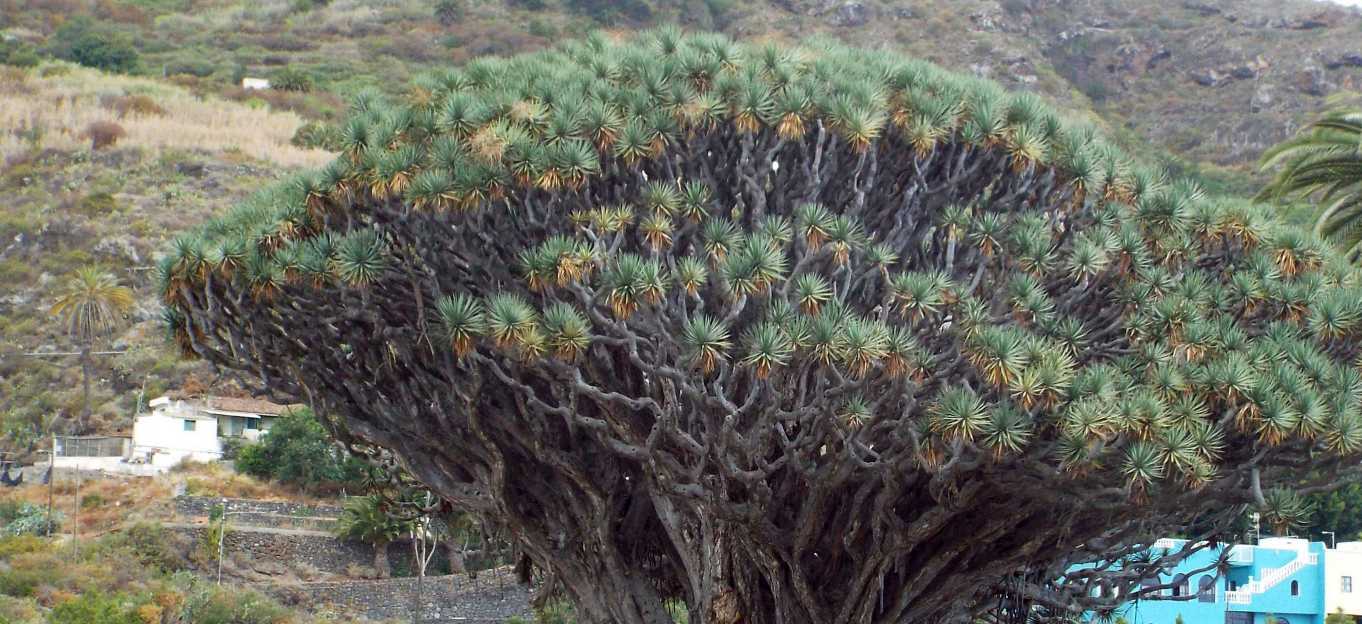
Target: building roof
251	406
234	405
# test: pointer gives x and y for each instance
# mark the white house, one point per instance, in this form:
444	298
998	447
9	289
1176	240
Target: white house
252	84
194	428
1343	578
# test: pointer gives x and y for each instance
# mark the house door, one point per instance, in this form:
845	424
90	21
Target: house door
1238	618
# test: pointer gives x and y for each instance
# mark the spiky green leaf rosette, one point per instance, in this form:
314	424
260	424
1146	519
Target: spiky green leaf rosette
867	340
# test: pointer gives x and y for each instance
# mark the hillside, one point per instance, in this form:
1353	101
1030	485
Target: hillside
183	157
1201	85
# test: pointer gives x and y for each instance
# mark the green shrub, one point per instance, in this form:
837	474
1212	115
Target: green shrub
18	53
27	519
541	28
148	543
26	573
97	204
94	608
292	79
18	610
12	545
297	451
233	606
92	44
317	135
611	11
201	68
449	12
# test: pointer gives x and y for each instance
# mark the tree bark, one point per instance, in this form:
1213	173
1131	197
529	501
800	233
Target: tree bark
381	566
456	559
83	425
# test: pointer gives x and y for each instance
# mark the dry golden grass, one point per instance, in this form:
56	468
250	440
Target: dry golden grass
217	480
103	504
53	111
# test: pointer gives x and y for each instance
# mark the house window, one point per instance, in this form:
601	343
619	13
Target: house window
1347	584
1205	591
1180	585
1147	588
1295	588
189	425
1234	586
252	423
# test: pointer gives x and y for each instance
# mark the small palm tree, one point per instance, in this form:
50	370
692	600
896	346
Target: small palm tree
91	303
1324	162
366	519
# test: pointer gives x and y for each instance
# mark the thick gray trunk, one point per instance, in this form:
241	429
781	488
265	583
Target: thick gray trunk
381	566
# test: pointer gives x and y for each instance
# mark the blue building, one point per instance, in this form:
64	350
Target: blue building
1292	581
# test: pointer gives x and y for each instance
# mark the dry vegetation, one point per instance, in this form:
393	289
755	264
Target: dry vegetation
54	106
103	504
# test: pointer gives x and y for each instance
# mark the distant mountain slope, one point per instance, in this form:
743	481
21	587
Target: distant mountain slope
182	159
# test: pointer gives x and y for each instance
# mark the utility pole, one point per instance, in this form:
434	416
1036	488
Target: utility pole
75	516
51	481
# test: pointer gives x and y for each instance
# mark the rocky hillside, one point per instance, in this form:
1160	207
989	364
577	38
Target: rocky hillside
1201	85
1212	82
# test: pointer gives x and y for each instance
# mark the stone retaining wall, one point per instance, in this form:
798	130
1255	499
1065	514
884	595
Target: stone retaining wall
493	597
201	506
292	549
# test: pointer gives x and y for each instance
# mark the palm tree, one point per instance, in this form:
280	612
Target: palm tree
1324	162
365	518
91	303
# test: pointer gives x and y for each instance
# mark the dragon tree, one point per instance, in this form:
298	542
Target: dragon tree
790	335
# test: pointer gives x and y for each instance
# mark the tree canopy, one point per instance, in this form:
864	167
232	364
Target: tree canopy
791	334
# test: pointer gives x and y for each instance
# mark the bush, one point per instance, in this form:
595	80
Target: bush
85	41
26	573
125	105
611	11
541	28
449	12
291	79
317	135
94	608
26	519
13	545
200	68
148	543
104	134
17	53
97	204
297	451
221	606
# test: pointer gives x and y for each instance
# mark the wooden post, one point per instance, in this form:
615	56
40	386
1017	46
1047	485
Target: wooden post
51	481
75	517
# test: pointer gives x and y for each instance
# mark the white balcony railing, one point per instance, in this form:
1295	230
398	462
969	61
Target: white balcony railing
1271	577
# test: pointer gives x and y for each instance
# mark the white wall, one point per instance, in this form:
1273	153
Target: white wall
115	465
1345	560
162	434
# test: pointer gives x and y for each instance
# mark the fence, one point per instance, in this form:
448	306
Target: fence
92	446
